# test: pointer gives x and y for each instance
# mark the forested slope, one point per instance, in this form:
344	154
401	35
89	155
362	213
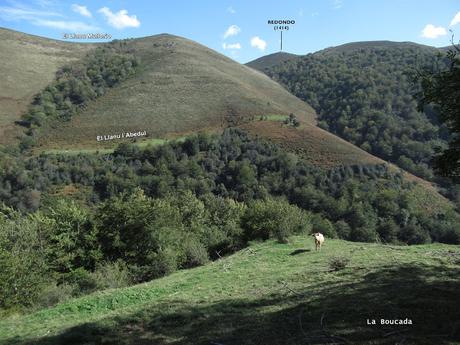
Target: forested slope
364	92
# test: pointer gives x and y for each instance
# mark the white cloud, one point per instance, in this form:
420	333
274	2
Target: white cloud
231	46
258	43
338	4
232	30
24	13
121	19
455	20
431	31
45	3
81	10
64	25
43	18
315	14
231	10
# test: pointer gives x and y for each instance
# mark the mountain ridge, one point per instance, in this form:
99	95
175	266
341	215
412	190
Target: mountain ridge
269	60
185	87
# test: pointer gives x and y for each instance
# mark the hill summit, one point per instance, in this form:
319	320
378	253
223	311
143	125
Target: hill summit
180	87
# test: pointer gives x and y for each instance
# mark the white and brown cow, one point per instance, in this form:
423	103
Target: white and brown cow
319	240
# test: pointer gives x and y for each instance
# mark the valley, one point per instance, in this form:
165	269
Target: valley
156	191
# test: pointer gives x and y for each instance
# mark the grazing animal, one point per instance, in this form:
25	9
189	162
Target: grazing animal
319	240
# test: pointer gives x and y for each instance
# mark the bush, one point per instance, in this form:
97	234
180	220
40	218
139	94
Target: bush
23	268
195	253
414	234
164	262
81	279
274	218
451	236
133	228
111	275
54	294
388	231
363	234
342	229
443	230
224	221
338	263
323	226
73	237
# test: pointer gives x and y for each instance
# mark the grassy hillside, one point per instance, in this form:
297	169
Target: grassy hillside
180	87
28	64
269	293
312	143
271	60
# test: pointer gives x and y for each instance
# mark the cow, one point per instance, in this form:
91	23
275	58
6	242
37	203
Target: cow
319	240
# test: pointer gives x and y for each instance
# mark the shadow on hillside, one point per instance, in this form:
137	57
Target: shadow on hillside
337	316
300	251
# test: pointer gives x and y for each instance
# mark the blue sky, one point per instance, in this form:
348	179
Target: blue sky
239	29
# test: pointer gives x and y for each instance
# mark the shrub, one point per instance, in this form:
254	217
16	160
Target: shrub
23	268
224	219
388	231
163	262
443	230
53	294
111	275
338	263
451	236
323	226
342	229
414	234
73	237
195	253
81	279
133	227
363	234
274	218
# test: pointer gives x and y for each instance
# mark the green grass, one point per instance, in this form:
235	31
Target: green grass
269	293
140	143
159	141
275	117
76	151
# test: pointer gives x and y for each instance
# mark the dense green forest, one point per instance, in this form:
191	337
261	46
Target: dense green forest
77	84
366	96
441	88
72	224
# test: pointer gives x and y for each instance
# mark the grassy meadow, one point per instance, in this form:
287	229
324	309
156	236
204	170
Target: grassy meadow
269	293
